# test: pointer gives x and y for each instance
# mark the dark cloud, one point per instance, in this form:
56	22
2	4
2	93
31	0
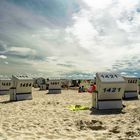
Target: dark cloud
59	12
14	18
66	65
129	66
14	54
2	46
138	9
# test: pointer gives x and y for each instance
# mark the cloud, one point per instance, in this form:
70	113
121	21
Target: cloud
3	57
3	46
6	62
62	37
123	73
57	12
135	73
22	51
108	38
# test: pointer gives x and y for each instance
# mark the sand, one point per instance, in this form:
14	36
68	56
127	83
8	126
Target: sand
47	117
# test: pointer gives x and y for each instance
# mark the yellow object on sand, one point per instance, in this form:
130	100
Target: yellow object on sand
78	107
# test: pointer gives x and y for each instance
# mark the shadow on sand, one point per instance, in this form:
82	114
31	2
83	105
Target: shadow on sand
6	102
106	111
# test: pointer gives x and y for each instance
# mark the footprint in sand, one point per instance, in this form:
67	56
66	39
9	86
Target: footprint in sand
115	130
93	125
131	134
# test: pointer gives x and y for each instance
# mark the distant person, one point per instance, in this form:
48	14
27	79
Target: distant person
83	89
80	89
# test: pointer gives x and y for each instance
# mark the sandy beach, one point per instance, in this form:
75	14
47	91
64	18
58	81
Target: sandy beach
47	117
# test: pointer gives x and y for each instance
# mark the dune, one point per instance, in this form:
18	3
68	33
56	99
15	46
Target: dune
47	117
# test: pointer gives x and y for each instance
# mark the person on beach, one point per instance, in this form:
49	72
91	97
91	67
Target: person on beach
92	88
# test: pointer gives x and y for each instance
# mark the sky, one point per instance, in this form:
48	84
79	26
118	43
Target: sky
69	37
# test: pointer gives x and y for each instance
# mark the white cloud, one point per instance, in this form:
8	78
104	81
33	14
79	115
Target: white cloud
135	73
6	62
123	73
128	4
3	57
23	50
98	4
107	37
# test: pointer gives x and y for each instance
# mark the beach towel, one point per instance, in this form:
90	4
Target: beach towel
78	107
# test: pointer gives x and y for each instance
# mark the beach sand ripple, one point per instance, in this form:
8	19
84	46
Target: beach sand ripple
47	117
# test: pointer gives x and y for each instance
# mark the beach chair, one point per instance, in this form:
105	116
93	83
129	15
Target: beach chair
110	89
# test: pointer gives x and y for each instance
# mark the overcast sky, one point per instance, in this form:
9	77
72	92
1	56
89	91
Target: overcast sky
68	37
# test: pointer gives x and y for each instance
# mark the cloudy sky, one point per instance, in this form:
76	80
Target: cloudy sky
69	37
